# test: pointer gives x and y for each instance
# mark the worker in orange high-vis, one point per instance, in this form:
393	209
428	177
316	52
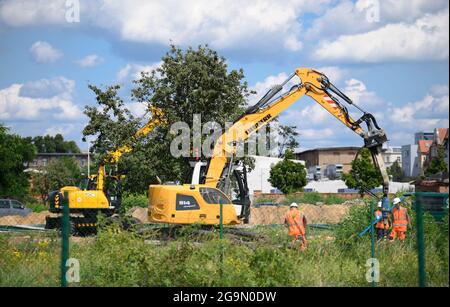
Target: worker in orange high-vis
296	223
381	226
400	220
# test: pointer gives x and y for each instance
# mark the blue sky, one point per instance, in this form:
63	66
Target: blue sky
390	56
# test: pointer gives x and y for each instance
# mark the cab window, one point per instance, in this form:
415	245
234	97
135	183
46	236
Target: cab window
4	204
16	205
213	196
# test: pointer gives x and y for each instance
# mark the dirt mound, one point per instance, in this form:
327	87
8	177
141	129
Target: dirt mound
30	219
316	214
139	213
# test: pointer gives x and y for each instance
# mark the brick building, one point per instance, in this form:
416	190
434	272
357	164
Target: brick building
43	159
326	156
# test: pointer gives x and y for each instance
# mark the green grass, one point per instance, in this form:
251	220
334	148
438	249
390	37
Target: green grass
36	207
312	198
133	200
334	258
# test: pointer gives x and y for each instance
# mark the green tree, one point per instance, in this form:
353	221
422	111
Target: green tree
188	82
54	144
287	175
15	153
288	141
437	164
396	172
59	173
364	175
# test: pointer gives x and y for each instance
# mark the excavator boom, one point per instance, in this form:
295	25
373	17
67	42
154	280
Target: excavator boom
315	85
199	203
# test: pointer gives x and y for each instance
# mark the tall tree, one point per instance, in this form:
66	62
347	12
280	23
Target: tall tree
188	82
54	144
15	153
437	164
364	175
287	175
288	141
396	172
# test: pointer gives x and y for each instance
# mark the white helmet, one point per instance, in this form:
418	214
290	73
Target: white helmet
380	204
397	201
293	205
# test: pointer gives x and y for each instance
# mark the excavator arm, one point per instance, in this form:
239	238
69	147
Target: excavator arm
157	118
315	85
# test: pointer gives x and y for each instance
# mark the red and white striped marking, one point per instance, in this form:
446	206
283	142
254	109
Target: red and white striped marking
330	102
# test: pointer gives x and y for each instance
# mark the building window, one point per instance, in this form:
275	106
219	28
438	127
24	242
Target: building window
34	163
44	162
399	159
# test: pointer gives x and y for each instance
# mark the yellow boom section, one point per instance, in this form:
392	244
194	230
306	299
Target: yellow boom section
311	85
157	118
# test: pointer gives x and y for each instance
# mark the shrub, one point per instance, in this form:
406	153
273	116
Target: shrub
133	200
36	207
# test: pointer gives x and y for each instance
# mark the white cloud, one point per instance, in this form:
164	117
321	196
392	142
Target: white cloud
43	52
133	71
264	86
335	74
430	112
316	134
60	129
59	106
357	91
220	23
47	88
90	61
25	12
138	109
425	39
358	18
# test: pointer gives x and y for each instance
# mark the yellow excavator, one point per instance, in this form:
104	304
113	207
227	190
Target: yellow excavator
102	193
200	203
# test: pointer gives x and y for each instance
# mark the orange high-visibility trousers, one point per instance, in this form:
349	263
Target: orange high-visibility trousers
399	232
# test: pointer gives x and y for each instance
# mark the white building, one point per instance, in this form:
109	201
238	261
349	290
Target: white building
258	179
410	160
392	154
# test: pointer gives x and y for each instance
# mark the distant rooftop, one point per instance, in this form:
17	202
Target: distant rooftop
424	146
59	154
331	149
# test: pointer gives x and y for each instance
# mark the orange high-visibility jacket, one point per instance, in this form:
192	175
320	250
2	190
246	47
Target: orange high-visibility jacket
380	224
294	219
400	220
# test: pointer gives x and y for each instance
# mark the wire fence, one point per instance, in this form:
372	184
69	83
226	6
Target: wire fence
343	248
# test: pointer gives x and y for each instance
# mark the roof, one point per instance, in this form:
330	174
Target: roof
424	146
44	154
331	149
442	133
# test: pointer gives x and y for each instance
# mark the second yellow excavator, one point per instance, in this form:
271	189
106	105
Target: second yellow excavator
200	203
102	193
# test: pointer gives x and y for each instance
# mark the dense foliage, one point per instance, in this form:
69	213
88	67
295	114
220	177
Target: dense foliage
53	144
287	175
188	82
364	175
59	173
15	153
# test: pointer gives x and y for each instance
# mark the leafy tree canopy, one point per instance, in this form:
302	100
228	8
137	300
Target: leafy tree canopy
15	153
53	144
59	173
287	175
188	82
364	175
437	164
